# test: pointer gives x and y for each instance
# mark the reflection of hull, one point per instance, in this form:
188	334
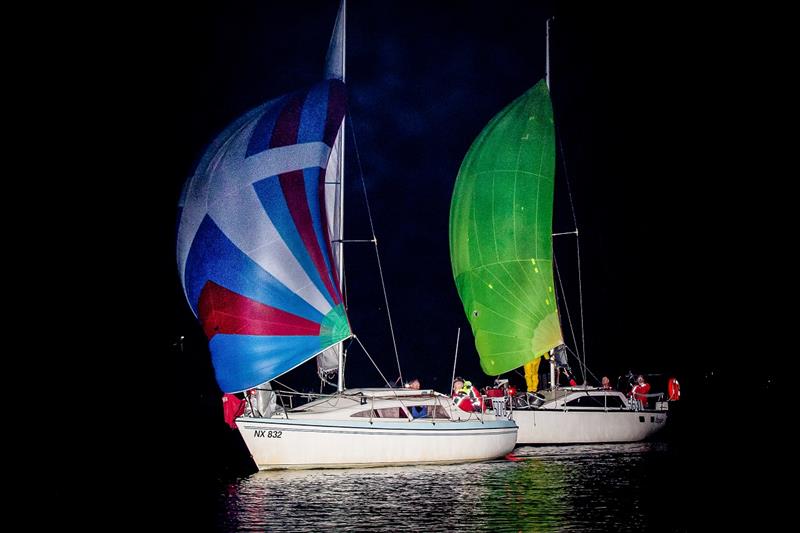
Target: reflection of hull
373	427
557	426
281	443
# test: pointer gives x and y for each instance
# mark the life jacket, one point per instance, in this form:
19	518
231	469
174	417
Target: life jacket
673	389
468	399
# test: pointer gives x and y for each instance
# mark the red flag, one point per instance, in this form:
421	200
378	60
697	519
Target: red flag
232	407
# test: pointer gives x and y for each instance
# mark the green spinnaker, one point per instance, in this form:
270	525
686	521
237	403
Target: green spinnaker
501	244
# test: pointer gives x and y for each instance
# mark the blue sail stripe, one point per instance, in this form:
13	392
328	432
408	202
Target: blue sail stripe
214	257
262	132
314	115
244	361
270	194
320	227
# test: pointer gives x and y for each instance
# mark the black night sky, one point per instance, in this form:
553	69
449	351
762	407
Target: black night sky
671	119
665	124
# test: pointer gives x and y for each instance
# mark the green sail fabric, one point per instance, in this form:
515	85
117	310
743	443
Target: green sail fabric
501	245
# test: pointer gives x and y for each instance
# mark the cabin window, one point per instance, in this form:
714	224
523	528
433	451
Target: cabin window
428	411
609	402
391	412
438	411
614	402
388	412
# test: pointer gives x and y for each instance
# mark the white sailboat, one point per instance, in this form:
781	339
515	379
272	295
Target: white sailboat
260	257
501	248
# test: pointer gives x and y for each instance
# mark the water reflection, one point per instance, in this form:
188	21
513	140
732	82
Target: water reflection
567	488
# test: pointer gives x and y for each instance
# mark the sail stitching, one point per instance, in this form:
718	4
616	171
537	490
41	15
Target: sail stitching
524	310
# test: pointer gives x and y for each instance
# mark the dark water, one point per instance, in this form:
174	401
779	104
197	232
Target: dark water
623	487
718	469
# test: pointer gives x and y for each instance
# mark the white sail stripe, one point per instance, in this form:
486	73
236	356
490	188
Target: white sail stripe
227	187
235	171
242	219
331	185
195	209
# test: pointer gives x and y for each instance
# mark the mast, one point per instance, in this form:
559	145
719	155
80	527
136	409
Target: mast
547	54
582	350
340	206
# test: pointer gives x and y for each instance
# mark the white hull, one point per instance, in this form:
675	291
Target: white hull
579	415
374	427
555	426
281	443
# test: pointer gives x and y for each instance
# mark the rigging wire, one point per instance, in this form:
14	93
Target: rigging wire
377	253
577	244
455	360
372	361
566	308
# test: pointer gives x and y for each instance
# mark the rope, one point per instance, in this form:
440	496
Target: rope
455	359
287	387
566	305
577	244
372	361
397	397
585	368
580	299
377	253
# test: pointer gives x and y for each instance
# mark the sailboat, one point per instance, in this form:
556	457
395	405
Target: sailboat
501	250
260	260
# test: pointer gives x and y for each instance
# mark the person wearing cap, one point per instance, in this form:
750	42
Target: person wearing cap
640	390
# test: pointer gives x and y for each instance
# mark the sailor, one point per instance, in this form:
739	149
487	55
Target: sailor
466	397
640	390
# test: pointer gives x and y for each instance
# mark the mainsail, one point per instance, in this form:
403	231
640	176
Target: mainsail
254	252
501	247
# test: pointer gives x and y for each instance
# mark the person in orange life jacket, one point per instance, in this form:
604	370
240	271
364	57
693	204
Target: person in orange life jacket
640	390
466	397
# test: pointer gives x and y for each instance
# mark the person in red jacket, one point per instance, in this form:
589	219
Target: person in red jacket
640	390
466	397
232	408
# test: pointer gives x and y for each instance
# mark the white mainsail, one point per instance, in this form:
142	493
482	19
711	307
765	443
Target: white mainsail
330	360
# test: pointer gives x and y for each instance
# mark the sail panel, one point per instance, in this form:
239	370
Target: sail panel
254	252
501	234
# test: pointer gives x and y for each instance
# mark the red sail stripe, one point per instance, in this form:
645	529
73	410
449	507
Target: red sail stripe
292	183
324	216
224	311
294	191
337	104
288	122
